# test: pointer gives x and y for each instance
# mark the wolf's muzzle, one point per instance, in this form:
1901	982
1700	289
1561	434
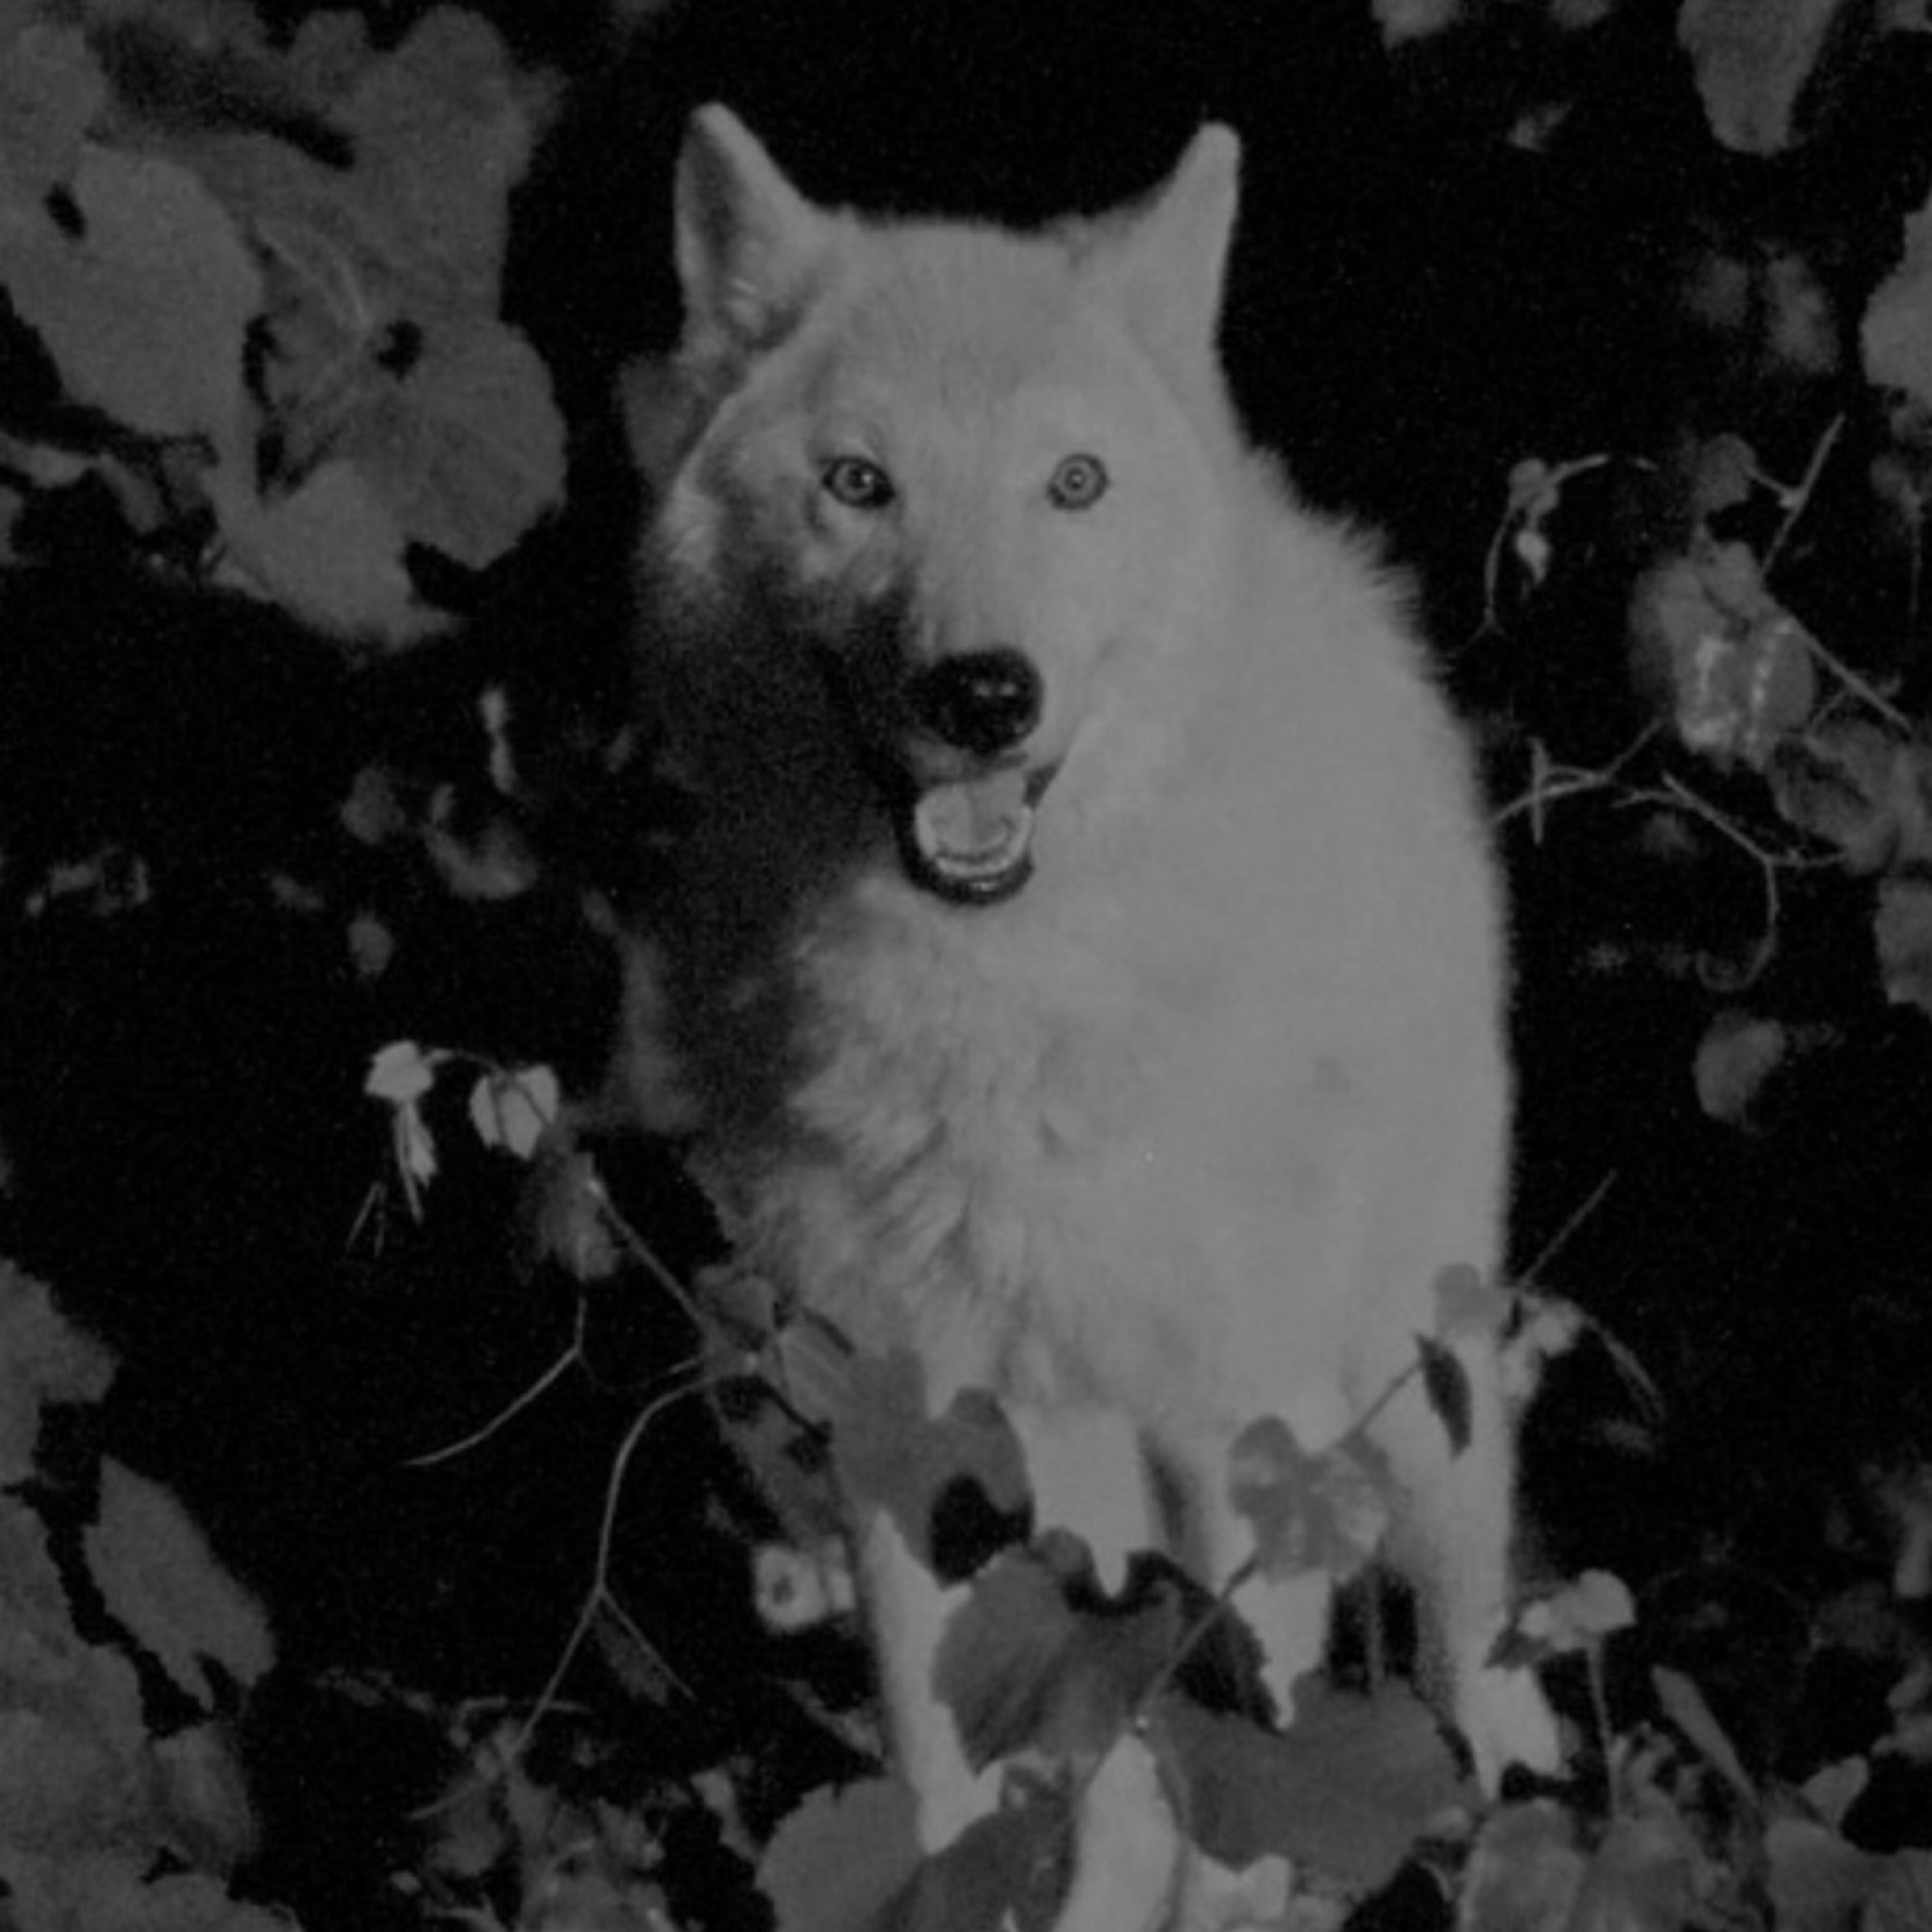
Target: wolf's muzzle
943	743
967	835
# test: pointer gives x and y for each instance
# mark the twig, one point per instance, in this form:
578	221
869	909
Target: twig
505	1416
1800	498
600	1596
1562	1237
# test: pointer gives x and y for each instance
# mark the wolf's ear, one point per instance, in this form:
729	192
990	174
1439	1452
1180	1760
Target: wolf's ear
749	246
1166	262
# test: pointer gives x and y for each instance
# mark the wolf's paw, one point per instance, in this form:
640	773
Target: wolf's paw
1129	1852
1506	1721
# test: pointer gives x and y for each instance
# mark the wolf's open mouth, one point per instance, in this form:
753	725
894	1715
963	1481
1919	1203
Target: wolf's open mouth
971	840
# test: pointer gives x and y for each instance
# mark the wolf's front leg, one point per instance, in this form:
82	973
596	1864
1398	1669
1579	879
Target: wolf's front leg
1087	1475
909	1610
1087	1469
1289	1615
1455	1541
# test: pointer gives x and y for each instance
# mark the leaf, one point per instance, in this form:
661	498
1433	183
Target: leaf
513	1108
1021	1669
571	1221
1309	1513
1525	1871
1833	1789
159	1578
107	1891
797	1589
144	309
1643	1877
331	552
1736	1055
51	90
1446	1383
371	944
1002	1653
1901	1901
641	1670
207	1799
1903	930
1599	1604
1683	1703
381	345
893	1455
415	1156
1005	1870
1535	496
471	452
1580	1616
1403	20
838	1861
1469	1306
1725	477
401	1073
1751	62
1817	1881
1272	1485
443	128
1904	1493
1551	1327
43	1359
1859	788
1897	329
72	1734
1737	665
328	55
1346	1788
1778	683
492	863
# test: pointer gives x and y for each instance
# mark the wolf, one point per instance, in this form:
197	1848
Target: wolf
1083	968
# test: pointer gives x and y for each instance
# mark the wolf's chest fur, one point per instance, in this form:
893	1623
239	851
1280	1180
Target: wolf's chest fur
923	1172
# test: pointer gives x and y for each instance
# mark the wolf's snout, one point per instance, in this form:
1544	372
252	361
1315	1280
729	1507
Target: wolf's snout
980	701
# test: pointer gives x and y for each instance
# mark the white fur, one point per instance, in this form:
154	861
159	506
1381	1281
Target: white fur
1180	1135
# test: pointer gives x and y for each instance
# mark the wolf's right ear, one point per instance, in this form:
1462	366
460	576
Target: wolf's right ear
1166	261
749	246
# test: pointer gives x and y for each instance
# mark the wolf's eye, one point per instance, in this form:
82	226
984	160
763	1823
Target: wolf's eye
858	482
1077	482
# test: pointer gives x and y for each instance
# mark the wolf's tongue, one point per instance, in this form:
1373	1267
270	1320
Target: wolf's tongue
970	840
974	819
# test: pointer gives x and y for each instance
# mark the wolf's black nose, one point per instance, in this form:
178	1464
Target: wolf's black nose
982	701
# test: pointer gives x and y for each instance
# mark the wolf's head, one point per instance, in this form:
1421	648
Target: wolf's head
940	494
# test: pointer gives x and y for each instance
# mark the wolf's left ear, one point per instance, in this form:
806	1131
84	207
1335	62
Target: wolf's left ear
1166	261
749	246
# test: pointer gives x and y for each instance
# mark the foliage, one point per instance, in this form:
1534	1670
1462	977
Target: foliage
264	283
1093	1707
1766	742
108	1821
1822	776
1109	1736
